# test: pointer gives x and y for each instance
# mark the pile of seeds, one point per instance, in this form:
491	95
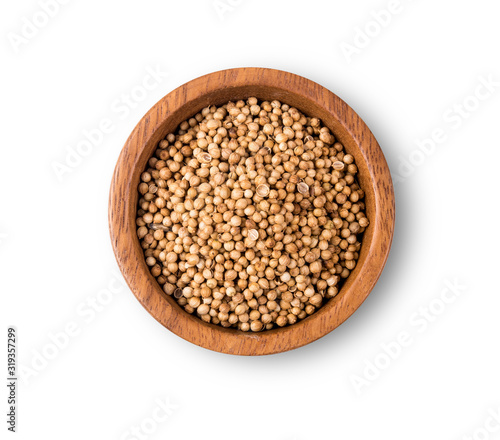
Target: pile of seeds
250	215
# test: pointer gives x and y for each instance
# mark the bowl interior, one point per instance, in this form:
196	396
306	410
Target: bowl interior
307	106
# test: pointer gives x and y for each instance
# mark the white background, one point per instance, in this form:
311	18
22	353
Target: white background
55	253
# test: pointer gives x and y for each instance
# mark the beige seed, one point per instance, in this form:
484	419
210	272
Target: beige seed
337	165
262	190
303	188
203	309
158	227
253	234
256	326
316	300
205	158
315	267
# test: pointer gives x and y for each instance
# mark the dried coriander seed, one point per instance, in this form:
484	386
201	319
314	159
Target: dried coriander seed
303	188
338	166
262	190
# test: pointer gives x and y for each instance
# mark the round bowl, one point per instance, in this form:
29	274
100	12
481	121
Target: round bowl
313	100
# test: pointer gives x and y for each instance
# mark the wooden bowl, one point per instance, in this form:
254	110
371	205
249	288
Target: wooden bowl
215	89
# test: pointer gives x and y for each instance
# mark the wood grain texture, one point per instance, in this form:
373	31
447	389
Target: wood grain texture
216	89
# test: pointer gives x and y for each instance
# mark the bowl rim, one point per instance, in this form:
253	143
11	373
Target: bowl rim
350	129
